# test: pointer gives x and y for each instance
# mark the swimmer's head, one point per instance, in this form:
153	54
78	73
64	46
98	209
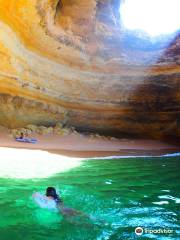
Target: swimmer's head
51	192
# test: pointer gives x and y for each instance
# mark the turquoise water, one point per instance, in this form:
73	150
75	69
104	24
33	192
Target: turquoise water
118	195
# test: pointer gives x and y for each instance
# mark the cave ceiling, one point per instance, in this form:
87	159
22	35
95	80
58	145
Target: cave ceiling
73	61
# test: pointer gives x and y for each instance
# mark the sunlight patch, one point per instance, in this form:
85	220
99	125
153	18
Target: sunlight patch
155	17
23	163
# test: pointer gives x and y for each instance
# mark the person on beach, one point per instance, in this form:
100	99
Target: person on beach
21	135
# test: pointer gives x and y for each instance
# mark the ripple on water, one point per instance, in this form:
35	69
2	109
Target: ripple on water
156	221
165	190
161	202
177	200
109	182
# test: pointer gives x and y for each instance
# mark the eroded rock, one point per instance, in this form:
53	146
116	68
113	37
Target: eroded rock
73	62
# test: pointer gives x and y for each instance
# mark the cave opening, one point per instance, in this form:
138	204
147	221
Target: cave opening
153	17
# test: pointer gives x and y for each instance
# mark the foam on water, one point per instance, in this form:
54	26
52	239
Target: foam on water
137	156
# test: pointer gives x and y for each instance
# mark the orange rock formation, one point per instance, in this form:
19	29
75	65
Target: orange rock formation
72	61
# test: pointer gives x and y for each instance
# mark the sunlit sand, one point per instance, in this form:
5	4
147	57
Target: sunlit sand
24	163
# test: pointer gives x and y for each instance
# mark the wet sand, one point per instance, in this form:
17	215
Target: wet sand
77	145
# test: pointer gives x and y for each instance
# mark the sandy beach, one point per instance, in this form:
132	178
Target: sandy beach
78	145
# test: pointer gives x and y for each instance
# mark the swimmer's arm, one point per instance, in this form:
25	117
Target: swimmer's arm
35	194
39	196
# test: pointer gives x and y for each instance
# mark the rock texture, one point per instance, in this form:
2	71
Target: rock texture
28	130
72	61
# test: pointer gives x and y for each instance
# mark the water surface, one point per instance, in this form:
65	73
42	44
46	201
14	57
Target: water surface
118	194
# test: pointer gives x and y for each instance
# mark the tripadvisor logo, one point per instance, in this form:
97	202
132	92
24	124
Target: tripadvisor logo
139	231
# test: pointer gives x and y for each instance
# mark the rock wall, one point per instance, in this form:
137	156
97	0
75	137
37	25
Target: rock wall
72	61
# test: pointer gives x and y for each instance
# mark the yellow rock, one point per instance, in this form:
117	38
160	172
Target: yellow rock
73	62
44	130
32	128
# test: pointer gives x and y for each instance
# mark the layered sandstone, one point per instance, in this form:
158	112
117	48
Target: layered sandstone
72	61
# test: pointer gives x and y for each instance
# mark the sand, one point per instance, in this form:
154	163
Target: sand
78	145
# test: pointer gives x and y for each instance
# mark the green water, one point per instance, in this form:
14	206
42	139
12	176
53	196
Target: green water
119	195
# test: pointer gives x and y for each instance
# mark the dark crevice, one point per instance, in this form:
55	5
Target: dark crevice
59	6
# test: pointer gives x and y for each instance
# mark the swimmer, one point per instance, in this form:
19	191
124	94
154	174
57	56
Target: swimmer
50	198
